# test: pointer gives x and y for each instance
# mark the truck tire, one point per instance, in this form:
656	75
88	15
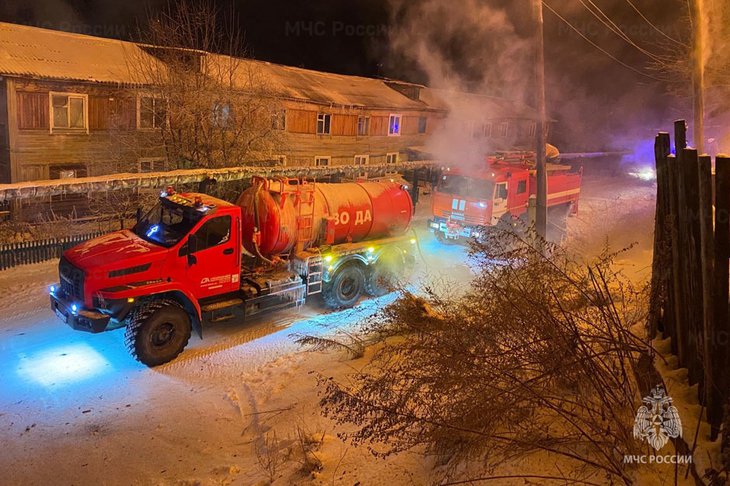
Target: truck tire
345	288
383	276
157	332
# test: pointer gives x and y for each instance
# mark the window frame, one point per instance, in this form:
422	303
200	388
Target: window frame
317	158
422	124
521	186
487	129
230	232
154	117
394	156
326	119
69	129
391	117
220	114
152	161
365	124
365	160
504	129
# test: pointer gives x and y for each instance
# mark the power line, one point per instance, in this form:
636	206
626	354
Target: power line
577	31
654	26
611	25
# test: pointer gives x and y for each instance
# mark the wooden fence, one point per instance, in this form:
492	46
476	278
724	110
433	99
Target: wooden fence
15	254
689	288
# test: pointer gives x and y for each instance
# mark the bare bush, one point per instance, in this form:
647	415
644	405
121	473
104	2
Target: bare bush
537	356
269	456
308	444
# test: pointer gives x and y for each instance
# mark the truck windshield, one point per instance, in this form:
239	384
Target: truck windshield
166	223
466	187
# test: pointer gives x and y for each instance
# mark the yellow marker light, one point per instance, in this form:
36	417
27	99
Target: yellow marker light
413	241
328	258
371	249
130	299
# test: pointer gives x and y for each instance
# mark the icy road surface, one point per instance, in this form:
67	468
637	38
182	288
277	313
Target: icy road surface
75	408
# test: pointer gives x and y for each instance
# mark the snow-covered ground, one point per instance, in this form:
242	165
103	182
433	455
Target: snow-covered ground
75	408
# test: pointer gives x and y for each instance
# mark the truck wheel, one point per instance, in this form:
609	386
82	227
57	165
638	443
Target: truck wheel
383	276
157	332
345	288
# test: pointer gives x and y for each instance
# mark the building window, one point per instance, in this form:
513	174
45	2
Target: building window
69	111
152	164
363	125
487	129
151	112
324	123
422	123
394	125
362	160
221	114
532	129
321	161
521	187
503	129
391	158
67	171
278	120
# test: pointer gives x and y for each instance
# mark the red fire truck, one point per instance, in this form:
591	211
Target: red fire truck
194	258
468	202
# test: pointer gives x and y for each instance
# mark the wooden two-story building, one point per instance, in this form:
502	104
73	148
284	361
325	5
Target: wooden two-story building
70	106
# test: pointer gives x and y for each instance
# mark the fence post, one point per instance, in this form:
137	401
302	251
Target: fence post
721	271
713	399
679	342
661	264
693	267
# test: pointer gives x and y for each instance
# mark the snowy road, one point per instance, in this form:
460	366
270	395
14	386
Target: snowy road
65	393
75	408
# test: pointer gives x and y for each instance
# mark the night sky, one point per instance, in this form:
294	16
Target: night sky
597	103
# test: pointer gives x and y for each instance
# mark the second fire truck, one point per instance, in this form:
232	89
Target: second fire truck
467	203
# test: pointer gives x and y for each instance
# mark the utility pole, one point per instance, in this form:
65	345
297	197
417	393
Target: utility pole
540	125
698	74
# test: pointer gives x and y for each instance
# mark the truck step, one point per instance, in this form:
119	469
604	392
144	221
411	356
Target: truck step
214	306
224	317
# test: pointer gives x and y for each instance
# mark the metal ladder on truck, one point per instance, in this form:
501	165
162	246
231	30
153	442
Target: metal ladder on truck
305	228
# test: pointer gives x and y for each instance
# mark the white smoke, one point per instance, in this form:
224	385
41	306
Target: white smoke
464	46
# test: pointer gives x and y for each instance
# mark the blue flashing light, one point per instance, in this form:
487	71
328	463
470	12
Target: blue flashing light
52	289
74	308
482	204
152	231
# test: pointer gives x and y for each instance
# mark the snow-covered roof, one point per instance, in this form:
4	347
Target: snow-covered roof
50	54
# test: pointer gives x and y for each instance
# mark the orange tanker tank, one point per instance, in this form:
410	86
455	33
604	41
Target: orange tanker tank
279	215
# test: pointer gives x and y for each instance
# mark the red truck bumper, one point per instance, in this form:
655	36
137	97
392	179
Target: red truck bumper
75	316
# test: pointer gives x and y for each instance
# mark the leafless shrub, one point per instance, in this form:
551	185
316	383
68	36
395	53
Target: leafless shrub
269	457
537	356
308	444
